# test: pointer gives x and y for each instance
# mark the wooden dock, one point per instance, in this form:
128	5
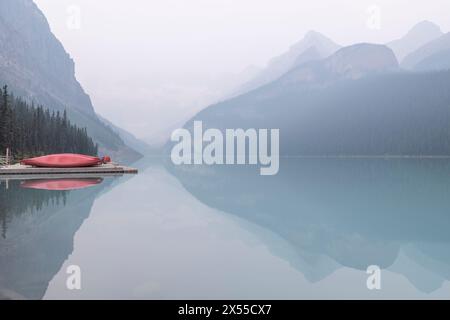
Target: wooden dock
104	169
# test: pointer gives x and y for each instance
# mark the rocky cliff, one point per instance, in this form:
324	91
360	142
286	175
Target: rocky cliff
35	66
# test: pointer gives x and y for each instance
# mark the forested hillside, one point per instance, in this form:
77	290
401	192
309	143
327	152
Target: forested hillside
30	131
390	114
37	68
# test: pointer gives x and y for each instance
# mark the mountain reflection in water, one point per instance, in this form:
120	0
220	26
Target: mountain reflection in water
38	221
192	232
358	212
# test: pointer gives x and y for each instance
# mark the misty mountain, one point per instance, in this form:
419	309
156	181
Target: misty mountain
314	46
419	35
437	61
129	139
352	103
347	63
430	56
35	66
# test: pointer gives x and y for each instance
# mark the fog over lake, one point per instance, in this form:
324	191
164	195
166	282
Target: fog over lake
150	65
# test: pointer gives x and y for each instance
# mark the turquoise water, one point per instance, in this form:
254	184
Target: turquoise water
205	232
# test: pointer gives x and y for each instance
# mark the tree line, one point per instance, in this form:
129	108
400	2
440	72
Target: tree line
30	130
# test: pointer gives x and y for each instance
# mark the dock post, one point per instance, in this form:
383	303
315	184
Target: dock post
7	156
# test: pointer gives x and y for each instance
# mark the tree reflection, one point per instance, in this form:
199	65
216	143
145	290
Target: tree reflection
16	201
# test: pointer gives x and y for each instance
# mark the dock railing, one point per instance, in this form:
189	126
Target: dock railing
6	160
3	161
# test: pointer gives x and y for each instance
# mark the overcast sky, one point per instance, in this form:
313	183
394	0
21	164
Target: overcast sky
149	63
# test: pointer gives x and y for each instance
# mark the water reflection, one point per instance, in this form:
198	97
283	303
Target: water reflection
188	232
38	221
61	184
14	202
356	212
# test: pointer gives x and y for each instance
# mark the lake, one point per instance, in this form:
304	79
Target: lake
226	232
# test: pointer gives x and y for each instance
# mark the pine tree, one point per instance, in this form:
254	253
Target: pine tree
31	130
6	119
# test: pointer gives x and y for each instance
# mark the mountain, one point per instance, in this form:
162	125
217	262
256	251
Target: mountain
430	55
35	66
437	61
347	63
314	46
129	139
348	104
419	35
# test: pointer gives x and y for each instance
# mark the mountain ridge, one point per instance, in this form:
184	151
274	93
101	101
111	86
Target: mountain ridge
351	62
431	48
373	109
313	46
36	67
420	34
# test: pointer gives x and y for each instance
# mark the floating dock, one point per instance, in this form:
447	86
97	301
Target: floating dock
109	168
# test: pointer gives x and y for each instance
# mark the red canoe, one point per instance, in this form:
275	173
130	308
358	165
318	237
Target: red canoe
61	184
66	160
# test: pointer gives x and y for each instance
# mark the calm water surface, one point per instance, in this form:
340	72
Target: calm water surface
197	232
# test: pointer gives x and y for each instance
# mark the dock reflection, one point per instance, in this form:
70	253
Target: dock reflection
57	182
61	184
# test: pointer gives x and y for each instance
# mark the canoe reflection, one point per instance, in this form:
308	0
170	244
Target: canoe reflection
61	184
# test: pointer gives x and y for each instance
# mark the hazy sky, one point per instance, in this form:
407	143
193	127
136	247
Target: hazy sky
148	63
